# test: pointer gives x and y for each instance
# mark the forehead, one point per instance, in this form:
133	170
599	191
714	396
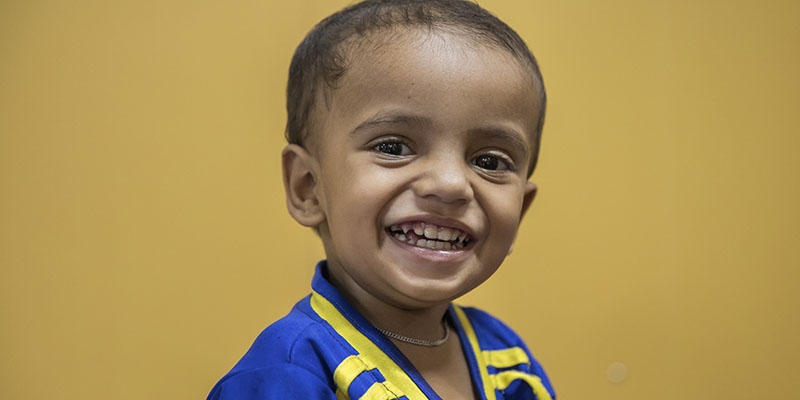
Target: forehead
421	62
408	67
448	47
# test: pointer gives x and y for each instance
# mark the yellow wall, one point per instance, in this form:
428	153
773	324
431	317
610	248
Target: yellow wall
144	242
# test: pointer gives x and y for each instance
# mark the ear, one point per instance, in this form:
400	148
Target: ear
299	182
530	193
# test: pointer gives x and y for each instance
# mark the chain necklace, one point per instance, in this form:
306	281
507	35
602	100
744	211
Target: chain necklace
419	342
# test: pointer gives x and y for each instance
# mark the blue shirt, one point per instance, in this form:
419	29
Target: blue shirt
325	349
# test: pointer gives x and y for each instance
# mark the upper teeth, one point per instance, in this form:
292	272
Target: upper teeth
430	236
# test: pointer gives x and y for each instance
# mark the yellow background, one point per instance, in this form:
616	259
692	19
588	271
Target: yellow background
144	240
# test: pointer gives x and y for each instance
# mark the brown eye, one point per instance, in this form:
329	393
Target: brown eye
487	162
494	163
392	148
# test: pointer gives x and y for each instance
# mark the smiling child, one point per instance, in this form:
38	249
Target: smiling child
413	129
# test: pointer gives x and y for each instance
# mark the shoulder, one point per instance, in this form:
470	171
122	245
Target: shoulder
492	332
277	381
503	350
292	356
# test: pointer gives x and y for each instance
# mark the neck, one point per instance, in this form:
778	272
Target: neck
425	324
422	322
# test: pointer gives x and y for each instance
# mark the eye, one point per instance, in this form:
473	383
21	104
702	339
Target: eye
392	148
491	162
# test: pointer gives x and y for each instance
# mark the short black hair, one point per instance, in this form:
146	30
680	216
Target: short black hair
321	58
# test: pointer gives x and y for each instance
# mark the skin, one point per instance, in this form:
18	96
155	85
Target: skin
424	130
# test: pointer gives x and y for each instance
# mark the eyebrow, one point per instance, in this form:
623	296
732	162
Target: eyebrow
513	137
392	118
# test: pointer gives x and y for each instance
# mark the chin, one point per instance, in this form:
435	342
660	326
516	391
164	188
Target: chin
430	292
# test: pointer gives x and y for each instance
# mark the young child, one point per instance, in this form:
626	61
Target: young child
413	128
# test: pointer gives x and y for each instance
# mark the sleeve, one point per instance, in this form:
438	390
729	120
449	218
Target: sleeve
285	381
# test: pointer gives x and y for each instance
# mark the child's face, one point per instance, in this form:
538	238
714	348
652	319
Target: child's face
423	152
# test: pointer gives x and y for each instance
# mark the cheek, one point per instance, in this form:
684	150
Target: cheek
356	194
504	214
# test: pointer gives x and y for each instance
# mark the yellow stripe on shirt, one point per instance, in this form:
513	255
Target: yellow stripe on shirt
488	387
504	379
503	358
397	384
506	358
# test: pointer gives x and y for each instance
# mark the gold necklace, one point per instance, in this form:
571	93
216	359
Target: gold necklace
419	342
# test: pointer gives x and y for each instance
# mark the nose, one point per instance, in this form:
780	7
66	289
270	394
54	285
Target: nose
445	179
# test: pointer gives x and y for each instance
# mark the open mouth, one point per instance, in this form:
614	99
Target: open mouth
430	236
